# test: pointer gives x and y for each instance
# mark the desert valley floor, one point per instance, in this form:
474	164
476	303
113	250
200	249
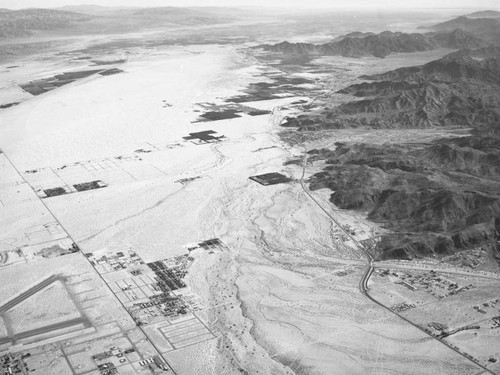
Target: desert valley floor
130	186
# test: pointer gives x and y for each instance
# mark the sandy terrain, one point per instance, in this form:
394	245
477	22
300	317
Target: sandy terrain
3	328
283	298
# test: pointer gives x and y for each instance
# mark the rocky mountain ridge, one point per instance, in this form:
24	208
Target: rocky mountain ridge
487	28
457	90
380	45
436	198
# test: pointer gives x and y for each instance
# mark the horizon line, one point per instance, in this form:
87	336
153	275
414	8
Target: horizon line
289	7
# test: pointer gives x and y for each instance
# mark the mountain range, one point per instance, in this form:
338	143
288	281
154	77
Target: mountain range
484	14
456	90
436	198
90	19
482	25
380	45
21	23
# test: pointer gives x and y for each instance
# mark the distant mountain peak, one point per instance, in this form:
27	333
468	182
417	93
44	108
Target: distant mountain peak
481	26
484	14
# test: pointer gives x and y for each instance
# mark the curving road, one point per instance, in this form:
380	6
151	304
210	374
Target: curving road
363	283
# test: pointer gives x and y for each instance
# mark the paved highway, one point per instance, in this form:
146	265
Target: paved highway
363	283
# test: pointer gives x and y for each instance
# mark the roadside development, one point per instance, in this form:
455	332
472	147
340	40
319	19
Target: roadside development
370	267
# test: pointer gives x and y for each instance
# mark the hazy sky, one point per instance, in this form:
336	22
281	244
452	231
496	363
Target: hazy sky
359	4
